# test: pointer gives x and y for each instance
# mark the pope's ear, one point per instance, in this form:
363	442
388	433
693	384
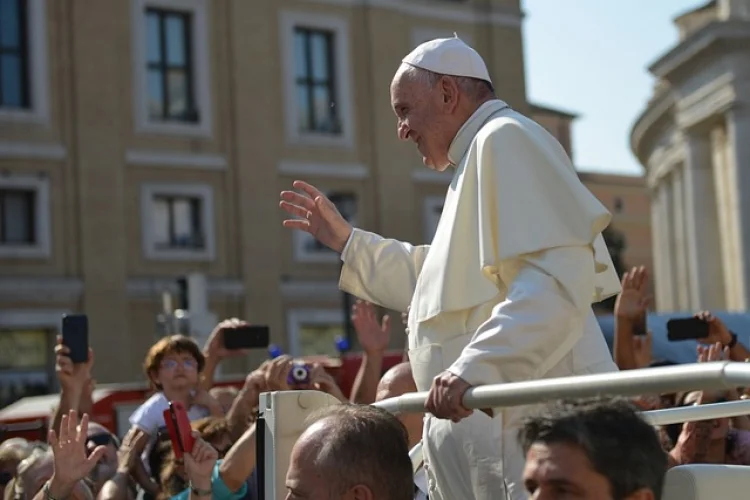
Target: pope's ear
449	90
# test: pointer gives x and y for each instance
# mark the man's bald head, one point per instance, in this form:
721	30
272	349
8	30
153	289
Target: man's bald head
395	382
350	448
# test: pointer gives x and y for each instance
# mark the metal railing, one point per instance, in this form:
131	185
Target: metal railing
665	379
691	377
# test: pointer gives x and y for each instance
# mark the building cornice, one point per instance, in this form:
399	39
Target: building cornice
655	111
696	44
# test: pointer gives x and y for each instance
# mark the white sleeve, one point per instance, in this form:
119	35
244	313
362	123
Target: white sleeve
149	417
538	323
381	270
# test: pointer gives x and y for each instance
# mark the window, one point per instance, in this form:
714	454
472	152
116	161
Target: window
17	225
317	79
433	209
316	96
170	78
23	364
178	222
308	249
24	217
14	61
314	331
172	71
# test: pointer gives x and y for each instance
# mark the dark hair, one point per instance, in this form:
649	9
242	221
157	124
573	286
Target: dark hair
620	445
366	445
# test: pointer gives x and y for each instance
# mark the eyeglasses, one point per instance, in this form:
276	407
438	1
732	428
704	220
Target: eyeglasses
171	364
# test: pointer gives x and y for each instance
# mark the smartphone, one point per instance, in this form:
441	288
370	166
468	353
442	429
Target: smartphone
247	337
75	336
686	329
179	429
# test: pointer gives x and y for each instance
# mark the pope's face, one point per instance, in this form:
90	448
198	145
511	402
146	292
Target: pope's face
421	113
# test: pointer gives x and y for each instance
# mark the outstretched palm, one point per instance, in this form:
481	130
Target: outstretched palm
373	335
72	462
317	216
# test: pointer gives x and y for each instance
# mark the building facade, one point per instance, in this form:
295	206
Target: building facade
141	140
693	138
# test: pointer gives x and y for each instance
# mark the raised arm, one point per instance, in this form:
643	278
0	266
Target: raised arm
375	269
380	270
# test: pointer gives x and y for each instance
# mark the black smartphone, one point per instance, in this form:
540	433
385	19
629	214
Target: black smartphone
75	336
247	337
686	329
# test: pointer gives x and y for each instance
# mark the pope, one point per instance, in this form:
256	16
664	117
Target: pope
504	291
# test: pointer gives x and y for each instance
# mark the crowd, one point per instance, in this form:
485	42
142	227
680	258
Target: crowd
590	449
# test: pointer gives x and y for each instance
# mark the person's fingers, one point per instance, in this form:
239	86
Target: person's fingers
298	199
63	436
300	224
83	429
90	361
295	210
94	457
627	280
386	323
309	189
62	349
52	437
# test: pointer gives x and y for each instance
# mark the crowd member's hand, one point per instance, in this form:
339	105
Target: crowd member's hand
276	373
72	460
317	214
647	403
633	301
717	330
73	377
214	347
321	380
642	349
128	454
203	398
373	335
200	463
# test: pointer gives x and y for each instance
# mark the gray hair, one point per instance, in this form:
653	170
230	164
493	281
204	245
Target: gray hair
473	87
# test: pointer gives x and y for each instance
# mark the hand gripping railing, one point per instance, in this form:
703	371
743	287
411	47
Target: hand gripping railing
697	376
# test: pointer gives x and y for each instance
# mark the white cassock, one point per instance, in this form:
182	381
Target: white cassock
503	293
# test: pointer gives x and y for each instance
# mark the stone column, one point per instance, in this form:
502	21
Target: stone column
738	138
663	244
727	217
702	236
680	269
659	228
